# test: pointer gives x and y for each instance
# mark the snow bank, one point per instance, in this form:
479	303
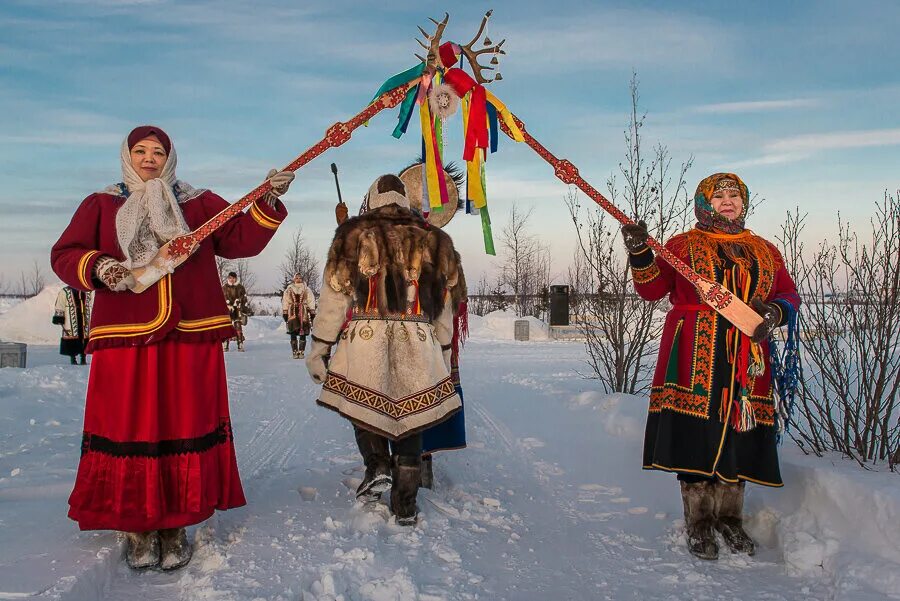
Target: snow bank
7	303
30	320
833	520
500	325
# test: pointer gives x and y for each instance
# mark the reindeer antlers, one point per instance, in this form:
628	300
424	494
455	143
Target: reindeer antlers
433	58
472	55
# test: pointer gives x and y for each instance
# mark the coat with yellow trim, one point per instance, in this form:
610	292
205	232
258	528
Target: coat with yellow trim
693	379
186	305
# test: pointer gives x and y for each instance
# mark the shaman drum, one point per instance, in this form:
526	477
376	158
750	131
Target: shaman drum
412	178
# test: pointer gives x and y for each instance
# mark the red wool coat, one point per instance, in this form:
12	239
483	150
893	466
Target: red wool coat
187	305
693	385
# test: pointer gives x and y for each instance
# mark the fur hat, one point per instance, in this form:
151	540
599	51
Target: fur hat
387	189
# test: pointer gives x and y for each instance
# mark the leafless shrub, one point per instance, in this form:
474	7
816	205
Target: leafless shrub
300	259
849	397
622	331
525	271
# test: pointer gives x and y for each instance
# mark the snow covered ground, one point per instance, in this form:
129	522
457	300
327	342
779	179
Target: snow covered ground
548	502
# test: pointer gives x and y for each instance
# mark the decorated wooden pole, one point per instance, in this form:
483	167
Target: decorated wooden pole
177	250
712	293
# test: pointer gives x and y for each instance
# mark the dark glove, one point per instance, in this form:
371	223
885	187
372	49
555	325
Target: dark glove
635	236
312	316
771	314
284	317
59	320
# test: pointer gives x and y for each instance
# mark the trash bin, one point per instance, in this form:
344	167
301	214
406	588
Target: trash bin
559	305
12	354
521	329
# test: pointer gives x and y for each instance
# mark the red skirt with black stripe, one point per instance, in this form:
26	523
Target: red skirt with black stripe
157	450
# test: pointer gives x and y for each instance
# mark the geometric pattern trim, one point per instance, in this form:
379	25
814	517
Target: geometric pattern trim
395	409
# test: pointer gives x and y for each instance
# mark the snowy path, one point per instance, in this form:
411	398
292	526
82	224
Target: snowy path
548	501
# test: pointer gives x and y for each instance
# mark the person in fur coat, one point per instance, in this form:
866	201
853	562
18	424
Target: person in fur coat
73	313
238	307
298	309
386	312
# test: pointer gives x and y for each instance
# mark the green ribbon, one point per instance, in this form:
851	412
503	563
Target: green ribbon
406	107
486	229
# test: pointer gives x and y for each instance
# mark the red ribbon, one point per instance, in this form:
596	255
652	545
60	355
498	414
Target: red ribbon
448	54
477	131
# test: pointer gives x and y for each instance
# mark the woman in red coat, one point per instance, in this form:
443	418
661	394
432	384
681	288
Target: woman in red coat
157	452
713	410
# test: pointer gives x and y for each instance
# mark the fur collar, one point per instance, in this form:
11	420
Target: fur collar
394	248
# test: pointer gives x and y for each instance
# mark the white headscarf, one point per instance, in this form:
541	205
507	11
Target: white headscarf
151	215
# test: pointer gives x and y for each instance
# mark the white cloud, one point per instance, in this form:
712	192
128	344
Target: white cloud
621	37
810	143
756	106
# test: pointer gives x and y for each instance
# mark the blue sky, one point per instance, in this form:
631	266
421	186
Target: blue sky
800	98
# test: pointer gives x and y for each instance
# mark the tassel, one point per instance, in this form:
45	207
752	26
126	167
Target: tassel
372	298
786	369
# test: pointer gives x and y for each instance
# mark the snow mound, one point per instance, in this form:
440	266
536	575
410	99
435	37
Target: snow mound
834	520
500	325
30	320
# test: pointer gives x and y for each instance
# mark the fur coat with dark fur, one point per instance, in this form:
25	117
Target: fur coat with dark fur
398	246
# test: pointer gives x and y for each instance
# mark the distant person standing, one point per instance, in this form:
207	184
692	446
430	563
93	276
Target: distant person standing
73	313
238	308
298	309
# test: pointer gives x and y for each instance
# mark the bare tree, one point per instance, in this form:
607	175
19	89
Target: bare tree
621	330
300	259
33	281
526	267
850	390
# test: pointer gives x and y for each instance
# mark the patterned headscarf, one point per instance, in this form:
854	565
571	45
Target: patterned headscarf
707	218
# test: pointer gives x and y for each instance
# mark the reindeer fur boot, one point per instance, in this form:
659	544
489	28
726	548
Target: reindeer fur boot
729	517
142	550
377	457
700	518
175	548
405	488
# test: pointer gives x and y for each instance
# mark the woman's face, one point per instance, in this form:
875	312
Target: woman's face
727	203
148	157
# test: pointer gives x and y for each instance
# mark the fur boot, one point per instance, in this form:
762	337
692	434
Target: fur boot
427	472
405	487
175	548
240	346
225	345
699	518
142	550
294	348
377	457
729	517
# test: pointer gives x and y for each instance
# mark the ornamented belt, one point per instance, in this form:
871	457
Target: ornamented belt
686	307
361	316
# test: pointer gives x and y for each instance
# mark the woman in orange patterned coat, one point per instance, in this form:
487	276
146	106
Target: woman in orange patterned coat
713	413
157	452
